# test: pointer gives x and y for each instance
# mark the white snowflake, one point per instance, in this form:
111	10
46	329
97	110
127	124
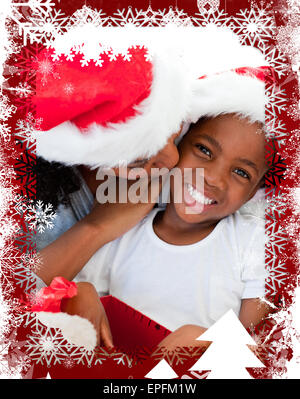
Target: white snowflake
254	26
47	346
127	56
82	356
13	362
9	257
7	175
277	206
275	58
276	101
24	278
46	67
37	6
151	17
276	238
24	131
195	375
25	239
27	319
87	15
8	261
127	17
101	355
8	228
176	17
68	88
208	6
32	261
22	90
292	228
293	111
40	216
218	18
276	129
42	28
122	358
277	275
6	109
69	362
84	61
19	205
5	131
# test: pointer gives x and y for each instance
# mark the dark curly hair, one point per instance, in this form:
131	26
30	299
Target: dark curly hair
55	182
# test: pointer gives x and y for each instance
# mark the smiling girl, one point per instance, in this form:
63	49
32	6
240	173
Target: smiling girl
187	265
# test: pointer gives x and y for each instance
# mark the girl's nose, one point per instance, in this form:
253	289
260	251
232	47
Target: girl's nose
215	176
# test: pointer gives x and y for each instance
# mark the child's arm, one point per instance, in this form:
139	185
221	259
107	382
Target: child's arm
88	305
103	224
184	336
252	312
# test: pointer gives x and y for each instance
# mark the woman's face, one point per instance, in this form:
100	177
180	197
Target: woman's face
163	161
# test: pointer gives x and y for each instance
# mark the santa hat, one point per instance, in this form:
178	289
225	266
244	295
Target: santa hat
230	80
103	111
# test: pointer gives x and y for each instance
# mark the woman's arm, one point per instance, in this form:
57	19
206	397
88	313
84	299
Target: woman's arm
67	255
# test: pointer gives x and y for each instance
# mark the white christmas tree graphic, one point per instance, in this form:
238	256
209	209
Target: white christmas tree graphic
162	371
228	355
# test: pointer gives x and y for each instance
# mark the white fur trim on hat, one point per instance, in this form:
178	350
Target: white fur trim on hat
221	90
142	136
227	93
75	329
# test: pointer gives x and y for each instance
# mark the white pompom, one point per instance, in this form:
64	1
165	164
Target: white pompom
75	329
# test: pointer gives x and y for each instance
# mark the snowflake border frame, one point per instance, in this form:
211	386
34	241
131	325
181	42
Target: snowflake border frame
39	32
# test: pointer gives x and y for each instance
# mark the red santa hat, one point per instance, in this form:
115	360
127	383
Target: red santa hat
230	80
102	112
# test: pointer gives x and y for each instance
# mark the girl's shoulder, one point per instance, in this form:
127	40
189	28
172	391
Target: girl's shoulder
246	230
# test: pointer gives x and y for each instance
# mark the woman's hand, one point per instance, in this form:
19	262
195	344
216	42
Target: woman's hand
67	255
115	219
87	304
184	336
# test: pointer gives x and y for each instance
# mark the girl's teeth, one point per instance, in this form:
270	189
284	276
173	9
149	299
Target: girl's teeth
198	196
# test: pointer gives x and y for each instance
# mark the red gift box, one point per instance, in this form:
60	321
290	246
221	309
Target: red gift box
131	329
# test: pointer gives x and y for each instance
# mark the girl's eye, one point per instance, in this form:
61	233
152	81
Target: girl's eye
204	149
242	173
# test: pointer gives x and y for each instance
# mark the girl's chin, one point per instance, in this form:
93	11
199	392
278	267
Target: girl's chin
188	214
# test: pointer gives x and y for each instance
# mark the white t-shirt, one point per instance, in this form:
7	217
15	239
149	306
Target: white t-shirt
188	284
